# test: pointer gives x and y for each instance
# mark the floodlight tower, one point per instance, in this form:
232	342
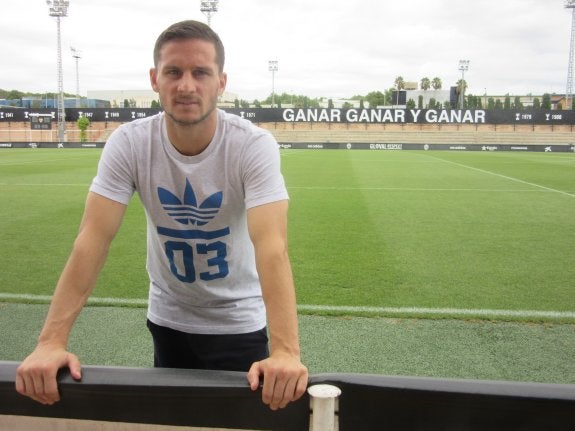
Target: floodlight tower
59	9
209	7
570	4
464	67
77	55
273	68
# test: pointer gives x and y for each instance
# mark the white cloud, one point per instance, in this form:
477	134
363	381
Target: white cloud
324	47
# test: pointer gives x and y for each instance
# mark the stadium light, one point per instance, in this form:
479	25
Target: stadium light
273	68
76	54
464	67
209	7
59	9
570	4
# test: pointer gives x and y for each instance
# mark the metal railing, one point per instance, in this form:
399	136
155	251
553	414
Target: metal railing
219	399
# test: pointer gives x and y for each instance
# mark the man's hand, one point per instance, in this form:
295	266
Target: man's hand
36	376
285	379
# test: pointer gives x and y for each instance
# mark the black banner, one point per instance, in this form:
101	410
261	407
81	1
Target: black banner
427	147
344	146
404	116
36	144
73	114
322	115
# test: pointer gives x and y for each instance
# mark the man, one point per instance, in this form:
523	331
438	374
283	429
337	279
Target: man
216	207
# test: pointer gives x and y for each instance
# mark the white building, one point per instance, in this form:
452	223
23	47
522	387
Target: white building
440	96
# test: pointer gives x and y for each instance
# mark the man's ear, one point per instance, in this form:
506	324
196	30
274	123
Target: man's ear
153	79
223	82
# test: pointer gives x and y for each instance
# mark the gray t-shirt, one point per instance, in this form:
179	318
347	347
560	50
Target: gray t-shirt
200	260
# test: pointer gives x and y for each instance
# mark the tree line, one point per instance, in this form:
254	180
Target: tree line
471	101
370	100
386	98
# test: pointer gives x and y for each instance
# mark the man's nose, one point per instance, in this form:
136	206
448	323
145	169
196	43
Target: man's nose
187	83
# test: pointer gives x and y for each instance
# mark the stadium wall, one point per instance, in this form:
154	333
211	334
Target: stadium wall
322	128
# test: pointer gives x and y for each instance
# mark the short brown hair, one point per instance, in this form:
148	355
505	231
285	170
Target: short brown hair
190	30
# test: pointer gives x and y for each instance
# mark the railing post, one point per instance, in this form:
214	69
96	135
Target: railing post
323	398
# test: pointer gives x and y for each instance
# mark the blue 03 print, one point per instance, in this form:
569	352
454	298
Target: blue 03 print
187	248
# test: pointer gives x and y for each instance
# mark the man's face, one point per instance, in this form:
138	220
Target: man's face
188	80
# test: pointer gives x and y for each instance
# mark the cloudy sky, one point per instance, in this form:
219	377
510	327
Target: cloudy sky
330	48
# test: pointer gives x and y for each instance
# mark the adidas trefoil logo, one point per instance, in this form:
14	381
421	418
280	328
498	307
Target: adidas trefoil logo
188	211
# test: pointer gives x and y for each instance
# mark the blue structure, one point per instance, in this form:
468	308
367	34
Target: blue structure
36	102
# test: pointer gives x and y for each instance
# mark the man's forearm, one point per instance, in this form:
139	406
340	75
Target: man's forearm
280	299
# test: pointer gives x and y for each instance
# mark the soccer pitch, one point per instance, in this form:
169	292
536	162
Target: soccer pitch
408	233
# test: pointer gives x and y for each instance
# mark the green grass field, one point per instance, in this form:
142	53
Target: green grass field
412	234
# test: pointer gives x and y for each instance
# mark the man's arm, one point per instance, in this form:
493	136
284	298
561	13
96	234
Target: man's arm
285	377
36	376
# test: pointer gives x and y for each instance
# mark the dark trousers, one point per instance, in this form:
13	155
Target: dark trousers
236	352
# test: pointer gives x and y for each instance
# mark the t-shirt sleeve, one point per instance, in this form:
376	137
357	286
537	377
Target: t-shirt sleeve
263	180
115	178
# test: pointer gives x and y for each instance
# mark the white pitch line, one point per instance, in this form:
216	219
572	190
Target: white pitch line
44	185
463	312
415	189
91	300
39	161
503	176
440	311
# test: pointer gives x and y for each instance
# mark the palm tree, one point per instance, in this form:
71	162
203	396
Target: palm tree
399	84
425	84
436	85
